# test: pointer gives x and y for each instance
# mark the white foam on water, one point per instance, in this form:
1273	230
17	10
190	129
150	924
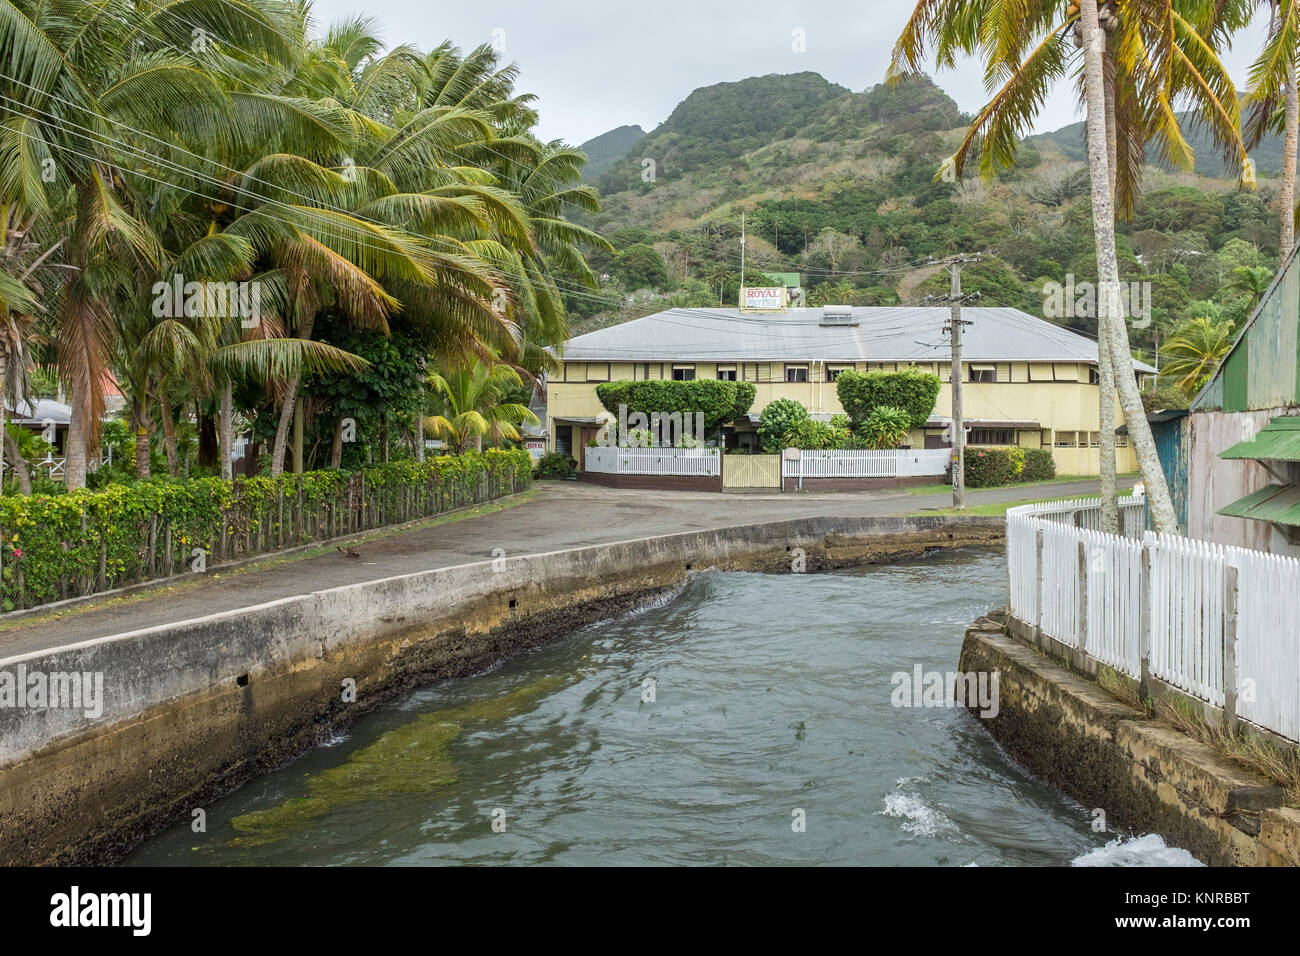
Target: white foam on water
918	817
1146	850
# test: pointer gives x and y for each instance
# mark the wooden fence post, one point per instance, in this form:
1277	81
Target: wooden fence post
1038	585
1144	621
1083	596
1231	682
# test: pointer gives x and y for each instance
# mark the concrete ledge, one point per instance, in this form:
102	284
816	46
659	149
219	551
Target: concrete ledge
1143	773
195	708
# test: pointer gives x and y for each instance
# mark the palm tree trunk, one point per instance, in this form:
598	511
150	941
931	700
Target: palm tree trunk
140	425
419	428
10	447
281	442
1289	167
226	431
289	408
169	437
74	449
1105	369
336	448
21	474
1111	319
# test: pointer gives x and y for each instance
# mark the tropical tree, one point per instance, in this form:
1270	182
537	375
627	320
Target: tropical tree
1194	352
1250	284
469	401
1156	58
201	145
1273	101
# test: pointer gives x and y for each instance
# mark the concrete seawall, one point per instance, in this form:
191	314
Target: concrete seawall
1144	774
193	709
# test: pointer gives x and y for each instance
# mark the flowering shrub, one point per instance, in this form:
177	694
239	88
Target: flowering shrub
58	546
986	467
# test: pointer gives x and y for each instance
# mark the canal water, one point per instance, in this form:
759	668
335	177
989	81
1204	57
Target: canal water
747	719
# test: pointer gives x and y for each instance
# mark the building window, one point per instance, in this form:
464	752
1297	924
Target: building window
983	373
726	373
796	373
1067	440
564	440
683	373
992	436
833	371
1094	377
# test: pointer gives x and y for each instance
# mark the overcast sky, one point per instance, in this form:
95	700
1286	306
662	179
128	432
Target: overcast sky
598	64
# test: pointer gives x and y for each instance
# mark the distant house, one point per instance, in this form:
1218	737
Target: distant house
1029	383
1237	453
46	417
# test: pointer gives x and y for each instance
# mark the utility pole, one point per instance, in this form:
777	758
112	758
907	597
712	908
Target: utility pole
742	259
953	329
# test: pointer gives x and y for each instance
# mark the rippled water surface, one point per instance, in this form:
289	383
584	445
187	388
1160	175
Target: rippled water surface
771	696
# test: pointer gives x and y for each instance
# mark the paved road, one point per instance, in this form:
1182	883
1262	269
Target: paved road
560	515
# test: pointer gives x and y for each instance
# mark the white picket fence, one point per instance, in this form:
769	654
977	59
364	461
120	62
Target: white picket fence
868	463
1218	623
611	460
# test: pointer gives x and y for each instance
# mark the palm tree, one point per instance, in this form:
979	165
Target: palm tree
1194	352
1157	57
337	177
469	401
1250	283
1273	82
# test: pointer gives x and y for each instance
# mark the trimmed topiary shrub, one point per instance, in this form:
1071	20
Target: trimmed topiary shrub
720	402
779	418
912	390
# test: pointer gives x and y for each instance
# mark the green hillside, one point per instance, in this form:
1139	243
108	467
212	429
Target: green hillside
841	187
1267	155
719	123
608	148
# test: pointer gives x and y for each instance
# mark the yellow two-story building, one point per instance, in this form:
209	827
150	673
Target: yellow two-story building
1026	382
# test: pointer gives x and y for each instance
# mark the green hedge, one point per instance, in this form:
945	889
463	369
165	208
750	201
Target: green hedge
989	467
721	402
1039	465
780	418
986	467
912	390
84	542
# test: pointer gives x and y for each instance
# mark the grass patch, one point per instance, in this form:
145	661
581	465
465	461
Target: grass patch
941	489
1279	764
188	582
1122	688
997	507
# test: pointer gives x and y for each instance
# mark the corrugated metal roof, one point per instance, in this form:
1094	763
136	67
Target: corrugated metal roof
882	334
1279	440
1279	504
46	410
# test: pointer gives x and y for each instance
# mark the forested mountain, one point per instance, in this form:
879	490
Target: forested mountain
842	187
1267	155
608	148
